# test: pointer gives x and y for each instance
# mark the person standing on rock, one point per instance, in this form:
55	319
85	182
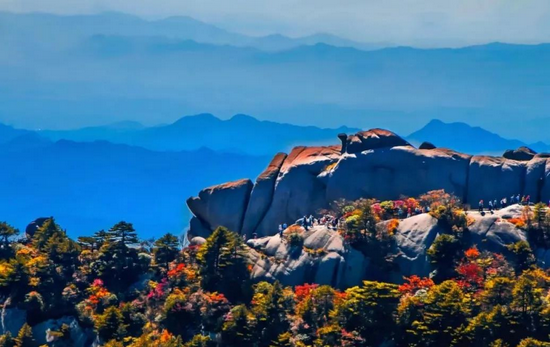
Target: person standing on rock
490	206
480	206
281	230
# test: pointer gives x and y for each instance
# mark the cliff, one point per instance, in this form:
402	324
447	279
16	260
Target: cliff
371	164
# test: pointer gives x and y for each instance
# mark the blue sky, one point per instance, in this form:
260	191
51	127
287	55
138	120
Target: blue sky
408	22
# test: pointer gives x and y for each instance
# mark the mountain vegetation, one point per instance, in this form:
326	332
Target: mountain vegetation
123	291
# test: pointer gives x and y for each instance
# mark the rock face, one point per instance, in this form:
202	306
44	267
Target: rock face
371	164
262	194
372	139
523	153
222	205
325	258
427	145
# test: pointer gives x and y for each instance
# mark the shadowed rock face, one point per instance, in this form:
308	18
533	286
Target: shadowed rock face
222	205
427	145
523	153
370	164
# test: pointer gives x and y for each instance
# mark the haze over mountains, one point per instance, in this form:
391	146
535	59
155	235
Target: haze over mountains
467	139
240	134
89	183
68	72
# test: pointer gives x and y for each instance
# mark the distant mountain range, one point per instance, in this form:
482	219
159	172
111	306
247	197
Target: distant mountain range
69	71
239	134
75	27
89	183
465	138
90	186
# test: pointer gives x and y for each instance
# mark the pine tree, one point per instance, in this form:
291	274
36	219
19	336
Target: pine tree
7	231
223	265
165	250
43	234
110	324
122	234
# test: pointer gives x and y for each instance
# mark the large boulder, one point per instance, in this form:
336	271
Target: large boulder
413	237
389	173
262	194
534	178
522	153
372	139
298	191
221	205
323	259
493	178
427	145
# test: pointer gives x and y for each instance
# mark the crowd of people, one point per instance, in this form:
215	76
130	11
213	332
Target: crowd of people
504	202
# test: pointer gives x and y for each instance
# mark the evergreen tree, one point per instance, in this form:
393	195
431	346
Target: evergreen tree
100	238
43	234
165	250
222	261
369	310
237	330
6	232
122	234
110	325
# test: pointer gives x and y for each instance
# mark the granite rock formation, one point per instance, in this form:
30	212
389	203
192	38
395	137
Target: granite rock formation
372	164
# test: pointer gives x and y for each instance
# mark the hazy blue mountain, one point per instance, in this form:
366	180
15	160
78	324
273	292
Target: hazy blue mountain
89	186
465	138
69	29
8	133
241	133
97	76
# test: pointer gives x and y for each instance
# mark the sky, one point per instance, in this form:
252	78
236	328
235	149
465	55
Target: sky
425	23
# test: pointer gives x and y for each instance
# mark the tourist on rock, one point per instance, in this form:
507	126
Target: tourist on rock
518	199
480	205
495	204
490	206
281	230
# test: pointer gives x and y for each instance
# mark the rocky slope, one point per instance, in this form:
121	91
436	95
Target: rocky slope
372	164
326	258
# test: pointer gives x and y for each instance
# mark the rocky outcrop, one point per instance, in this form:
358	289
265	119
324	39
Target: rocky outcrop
388	173
325	258
262	194
371	164
372	139
222	205
427	145
522	153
